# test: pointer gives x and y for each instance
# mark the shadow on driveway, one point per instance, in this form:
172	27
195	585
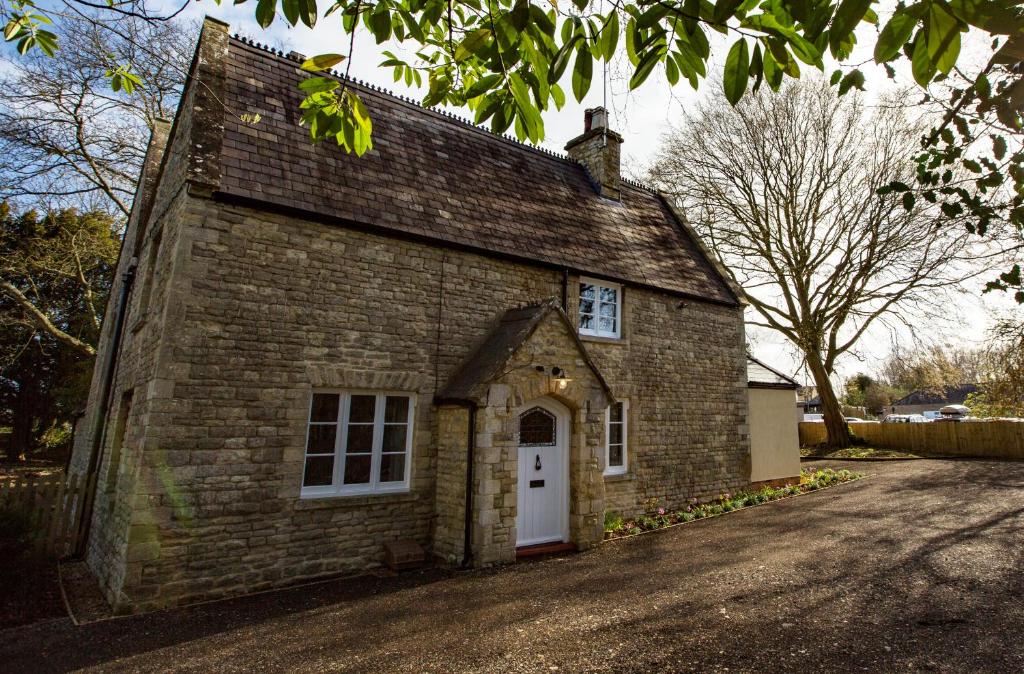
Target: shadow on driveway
917	568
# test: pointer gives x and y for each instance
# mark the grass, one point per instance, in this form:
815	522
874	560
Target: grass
859	452
615	526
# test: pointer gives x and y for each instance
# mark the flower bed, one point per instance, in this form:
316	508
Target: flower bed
659	518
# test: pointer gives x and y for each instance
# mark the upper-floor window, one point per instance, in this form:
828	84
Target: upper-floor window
616	424
600	308
358	442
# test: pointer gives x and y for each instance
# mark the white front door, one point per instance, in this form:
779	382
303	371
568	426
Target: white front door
543	501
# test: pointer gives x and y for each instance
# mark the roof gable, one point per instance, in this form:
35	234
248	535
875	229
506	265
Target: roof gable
764	376
434	177
488	362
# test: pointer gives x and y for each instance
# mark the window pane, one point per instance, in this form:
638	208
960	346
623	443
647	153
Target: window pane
606	324
325	407
615	455
615	434
616	412
586	306
587	291
396	408
361	409
537	427
357	469
586	322
321	439
394	438
360	439
609	295
392	468
607	309
319	471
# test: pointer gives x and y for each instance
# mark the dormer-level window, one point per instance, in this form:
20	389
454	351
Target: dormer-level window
600	308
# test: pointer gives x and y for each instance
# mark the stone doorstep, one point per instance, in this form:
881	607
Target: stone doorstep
544	549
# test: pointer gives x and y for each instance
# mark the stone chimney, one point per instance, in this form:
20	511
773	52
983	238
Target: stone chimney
598	150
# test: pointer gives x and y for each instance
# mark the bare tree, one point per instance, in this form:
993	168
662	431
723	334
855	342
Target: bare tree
66	138
784	189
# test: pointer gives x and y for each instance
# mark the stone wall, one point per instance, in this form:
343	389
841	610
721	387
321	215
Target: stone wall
276	306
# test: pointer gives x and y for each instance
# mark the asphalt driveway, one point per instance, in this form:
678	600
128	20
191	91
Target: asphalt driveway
920	567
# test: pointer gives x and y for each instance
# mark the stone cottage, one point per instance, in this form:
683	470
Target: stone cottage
456	343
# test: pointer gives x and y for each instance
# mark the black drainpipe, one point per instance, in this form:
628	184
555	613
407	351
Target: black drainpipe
100	416
467	543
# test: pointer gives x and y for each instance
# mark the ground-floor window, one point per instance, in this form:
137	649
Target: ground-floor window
616	421
358	442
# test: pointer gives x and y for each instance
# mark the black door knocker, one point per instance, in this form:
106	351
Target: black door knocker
536	464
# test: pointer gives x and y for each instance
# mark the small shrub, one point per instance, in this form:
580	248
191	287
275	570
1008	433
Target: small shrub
612	522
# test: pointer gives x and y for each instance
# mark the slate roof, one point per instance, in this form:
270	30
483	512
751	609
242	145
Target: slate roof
471	381
950	395
435	177
760	375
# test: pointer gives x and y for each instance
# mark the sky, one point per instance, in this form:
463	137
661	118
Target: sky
643	117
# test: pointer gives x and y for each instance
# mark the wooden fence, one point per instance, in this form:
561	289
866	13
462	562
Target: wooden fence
983	439
51	505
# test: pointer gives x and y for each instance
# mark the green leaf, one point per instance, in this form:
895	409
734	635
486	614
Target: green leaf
472	44
265	11
999	147
582	72
671	71
649	59
724	9
737	71
920	62
558	95
757	67
380	24
313	85
322	62
854	78
561	60
844	22
894	35
943	38
908	201
610	35
307	12
483	85
972	166
291	11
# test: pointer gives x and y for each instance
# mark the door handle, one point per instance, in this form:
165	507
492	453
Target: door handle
536	463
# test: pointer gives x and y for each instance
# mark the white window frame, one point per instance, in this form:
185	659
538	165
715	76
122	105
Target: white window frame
608	468
596	331
374	486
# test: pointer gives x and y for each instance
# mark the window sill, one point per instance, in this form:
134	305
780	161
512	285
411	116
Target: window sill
318	502
603	340
618	477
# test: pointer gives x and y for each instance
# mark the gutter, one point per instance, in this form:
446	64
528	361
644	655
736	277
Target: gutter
467	542
101	414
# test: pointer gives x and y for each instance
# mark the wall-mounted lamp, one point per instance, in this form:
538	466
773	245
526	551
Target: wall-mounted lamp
561	378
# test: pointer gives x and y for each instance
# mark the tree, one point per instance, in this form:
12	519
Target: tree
55	275
982	130
506	59
862	390
933	368
66	138
784	190
1001	387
